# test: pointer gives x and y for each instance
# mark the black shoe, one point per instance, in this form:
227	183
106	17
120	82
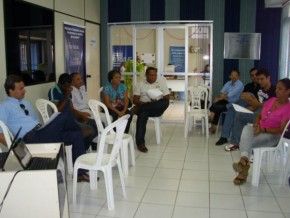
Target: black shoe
142	148
221	141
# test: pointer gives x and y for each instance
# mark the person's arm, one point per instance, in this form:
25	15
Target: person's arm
126	101
82	116
137	101
166	97
61	103
278	130
235	91
106	100
2	139
256	125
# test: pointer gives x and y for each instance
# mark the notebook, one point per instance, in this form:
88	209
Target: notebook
32	163
4	155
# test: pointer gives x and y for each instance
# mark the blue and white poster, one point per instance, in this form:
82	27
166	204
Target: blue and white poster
74	45
177	57
121	53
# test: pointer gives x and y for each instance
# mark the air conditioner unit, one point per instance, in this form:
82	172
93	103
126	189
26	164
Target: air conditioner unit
275	3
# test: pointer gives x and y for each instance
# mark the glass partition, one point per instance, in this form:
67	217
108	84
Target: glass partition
180	51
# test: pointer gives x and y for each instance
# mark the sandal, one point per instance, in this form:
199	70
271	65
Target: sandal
242	166
240	179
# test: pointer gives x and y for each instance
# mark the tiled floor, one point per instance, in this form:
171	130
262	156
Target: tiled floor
184	178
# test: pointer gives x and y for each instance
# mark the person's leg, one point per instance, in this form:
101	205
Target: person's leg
129	122
142	119
227	126
241	119
89	133
217	109
155	109
113	114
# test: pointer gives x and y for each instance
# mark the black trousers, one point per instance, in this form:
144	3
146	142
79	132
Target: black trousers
152	109
115	117
218	108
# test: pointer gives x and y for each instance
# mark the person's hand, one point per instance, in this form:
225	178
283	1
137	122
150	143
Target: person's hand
257	129
85	116
68	91
247	96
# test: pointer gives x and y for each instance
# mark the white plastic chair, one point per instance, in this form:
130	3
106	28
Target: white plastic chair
101	161
258	155
7	134
196	94
42	106
128	141
157	122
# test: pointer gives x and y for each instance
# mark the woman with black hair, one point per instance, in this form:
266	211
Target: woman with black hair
115	97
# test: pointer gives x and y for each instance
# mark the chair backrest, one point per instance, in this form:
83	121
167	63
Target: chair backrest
100	94
7	134
42	106
96	106
285	137
197	94
120	126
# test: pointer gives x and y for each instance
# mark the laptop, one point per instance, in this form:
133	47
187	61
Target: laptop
33	163
4	155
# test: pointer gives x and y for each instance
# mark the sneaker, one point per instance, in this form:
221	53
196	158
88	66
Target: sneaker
232	148
221	141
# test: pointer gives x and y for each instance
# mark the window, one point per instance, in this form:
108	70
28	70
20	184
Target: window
29	42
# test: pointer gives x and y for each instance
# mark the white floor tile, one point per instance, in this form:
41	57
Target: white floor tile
154	211
194	186
222	213
171	164
195	175
192	199
159	197
164	184
254	214
190	212
122	209
231	202
257	203
184	178
224	188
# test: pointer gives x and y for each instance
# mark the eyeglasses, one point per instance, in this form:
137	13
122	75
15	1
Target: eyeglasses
25	110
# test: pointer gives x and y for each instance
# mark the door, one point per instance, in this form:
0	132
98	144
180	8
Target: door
93	59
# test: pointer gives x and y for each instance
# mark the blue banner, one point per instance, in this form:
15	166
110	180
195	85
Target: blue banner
121	53
177	57
74	44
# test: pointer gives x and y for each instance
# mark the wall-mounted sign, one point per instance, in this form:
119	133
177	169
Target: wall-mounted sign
242	46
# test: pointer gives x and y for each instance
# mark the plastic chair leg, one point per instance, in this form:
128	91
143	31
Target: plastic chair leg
132	150
124	152
158	130
257	167
68	151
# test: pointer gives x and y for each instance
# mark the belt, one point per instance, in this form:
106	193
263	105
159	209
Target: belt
31	132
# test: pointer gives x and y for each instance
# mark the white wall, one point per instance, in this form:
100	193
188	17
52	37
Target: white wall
79	9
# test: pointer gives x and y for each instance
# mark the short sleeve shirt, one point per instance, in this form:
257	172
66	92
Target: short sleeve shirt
14	116
142	87
272	118
79	98
117	97
55	95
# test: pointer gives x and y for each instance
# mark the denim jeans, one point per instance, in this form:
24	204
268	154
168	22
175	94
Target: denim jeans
229	119
241	119
249	141
153	109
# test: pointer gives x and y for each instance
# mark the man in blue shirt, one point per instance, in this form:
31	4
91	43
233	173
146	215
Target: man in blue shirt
17	112
230	93
60	94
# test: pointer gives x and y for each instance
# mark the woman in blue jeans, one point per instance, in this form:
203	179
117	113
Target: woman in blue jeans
266	130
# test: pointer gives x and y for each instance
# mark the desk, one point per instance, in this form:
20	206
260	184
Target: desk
35	193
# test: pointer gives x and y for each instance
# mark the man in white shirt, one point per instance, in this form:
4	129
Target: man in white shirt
151	97
79	96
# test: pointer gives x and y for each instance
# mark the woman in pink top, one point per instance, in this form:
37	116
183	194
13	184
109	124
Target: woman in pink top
266	130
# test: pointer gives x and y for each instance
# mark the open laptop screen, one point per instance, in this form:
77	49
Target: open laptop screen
22	153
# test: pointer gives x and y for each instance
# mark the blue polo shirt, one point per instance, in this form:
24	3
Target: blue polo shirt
55	95
14	116
233	90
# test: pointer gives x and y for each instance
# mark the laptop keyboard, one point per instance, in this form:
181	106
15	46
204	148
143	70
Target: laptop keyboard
39	163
